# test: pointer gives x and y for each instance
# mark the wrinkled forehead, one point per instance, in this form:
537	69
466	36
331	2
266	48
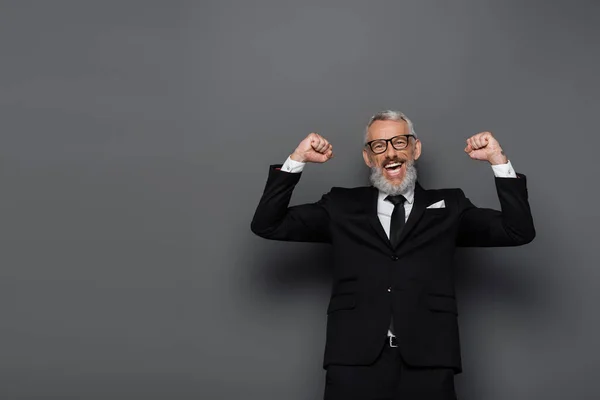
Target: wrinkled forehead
387	129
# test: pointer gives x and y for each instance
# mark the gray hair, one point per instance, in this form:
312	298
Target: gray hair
390	115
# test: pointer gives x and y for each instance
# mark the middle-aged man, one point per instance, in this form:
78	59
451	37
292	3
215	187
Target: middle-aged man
392	330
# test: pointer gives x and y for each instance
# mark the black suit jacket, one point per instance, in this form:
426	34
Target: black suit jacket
373	280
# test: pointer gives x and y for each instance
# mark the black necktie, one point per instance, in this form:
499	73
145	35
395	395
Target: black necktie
398	218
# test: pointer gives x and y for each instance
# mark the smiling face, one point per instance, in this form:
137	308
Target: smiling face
392	164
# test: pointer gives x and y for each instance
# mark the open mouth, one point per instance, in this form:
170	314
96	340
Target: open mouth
393	168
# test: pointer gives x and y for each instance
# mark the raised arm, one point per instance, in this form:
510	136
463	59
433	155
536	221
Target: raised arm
273	218
483	227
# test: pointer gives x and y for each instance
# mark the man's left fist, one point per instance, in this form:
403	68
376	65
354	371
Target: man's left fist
485	147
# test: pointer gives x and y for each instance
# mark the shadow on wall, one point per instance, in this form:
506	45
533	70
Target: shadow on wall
505	316
284	268
285	275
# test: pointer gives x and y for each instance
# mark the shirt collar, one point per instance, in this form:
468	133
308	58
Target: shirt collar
409	194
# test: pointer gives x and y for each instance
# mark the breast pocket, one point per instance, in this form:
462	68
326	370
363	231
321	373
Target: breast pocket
442	304
341	302
437	212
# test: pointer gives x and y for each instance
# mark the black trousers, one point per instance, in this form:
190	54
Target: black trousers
388	378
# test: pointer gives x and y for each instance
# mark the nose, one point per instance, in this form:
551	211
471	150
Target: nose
390	152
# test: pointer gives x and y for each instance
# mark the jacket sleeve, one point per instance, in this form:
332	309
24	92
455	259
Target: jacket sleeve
513	226
273	219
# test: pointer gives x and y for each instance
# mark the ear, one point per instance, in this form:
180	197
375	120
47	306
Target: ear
417	149
366	158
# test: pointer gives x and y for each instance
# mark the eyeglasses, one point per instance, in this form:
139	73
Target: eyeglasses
379	146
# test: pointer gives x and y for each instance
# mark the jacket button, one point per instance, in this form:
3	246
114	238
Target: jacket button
395	258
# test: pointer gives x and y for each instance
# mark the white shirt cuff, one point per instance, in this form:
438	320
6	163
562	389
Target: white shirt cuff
292	166
504	170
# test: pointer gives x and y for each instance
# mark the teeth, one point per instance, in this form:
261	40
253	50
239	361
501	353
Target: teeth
392	165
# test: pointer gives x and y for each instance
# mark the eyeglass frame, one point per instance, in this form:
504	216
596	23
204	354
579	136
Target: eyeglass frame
368	144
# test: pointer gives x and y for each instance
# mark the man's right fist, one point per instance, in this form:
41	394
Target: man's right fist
314	148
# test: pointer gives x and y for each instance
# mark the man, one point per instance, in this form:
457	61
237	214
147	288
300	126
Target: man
392	330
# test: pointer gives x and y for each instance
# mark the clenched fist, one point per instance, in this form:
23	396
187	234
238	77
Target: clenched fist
314	148
484	146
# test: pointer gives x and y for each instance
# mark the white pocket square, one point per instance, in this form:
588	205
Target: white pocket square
438	204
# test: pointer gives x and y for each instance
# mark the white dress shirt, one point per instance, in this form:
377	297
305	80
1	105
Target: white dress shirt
385	208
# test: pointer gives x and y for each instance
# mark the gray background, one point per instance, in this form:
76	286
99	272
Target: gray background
135	142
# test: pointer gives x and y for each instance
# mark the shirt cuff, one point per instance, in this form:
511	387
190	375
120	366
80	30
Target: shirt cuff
292	166
504	170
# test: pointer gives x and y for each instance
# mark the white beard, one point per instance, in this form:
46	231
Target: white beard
380	181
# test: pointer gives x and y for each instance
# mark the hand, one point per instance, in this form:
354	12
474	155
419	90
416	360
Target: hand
314	148
484	146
